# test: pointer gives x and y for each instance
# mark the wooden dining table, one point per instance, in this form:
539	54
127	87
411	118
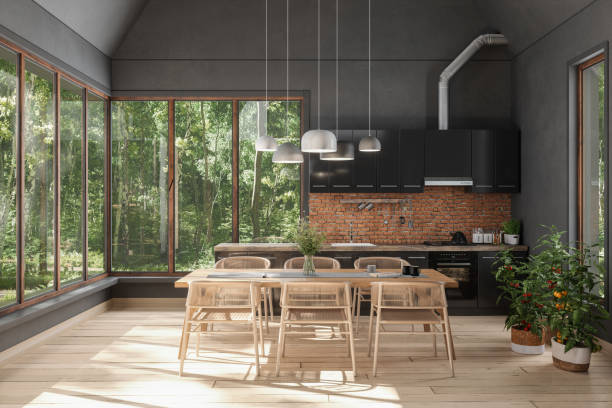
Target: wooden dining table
357	278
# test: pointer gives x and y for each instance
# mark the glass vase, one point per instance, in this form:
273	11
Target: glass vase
309	268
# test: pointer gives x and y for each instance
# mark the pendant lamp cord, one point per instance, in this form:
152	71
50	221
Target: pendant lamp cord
319	64
369	69
287	79
266	102
337	85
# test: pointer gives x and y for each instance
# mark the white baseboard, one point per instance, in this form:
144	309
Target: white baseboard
52	331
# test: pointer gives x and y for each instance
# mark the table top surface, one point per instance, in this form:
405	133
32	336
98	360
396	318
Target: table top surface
274	277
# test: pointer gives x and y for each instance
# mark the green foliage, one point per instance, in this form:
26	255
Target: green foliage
521	287
573	274
512	227
308	238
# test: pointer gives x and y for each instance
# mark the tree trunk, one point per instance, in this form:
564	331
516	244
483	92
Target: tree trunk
255	197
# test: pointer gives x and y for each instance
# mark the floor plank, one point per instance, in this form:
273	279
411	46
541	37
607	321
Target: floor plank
127	356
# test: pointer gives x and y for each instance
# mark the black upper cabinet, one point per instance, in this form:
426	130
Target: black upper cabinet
483	160
319	174
507	161
366	166
341	172
411	160
448	153
388	161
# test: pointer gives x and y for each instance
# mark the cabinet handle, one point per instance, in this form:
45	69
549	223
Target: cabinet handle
365	185
342	257
484	185
416	257
507	186
319	185
412	185
488	257
389	185
341	185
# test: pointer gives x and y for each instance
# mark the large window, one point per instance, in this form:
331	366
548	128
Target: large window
203	179
8	175
592	155
139	186
71	183
39	135
96	129
269	192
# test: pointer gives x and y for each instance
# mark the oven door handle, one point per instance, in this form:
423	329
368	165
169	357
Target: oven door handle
453	264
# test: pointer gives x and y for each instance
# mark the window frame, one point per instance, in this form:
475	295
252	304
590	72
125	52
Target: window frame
235	166
58	75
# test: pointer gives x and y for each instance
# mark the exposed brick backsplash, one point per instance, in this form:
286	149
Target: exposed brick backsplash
436	212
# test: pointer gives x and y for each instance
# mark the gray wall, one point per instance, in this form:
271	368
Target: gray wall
540	108
31	27
207	45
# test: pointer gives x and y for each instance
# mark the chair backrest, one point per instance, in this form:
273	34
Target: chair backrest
223	294
409	295
316	295
243	262
320	262
381	262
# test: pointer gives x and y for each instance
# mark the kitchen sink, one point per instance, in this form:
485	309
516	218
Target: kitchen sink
355	244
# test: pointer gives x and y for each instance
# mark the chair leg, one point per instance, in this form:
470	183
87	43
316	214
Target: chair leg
452	344
351	343
184	346
271	302
376	343
261	341
448	344
198	343
370	330
435	344
358	314
265	309
354	304
255	345
280	344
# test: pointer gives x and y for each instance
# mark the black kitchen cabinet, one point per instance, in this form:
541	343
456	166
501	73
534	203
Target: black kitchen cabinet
487	284
319	174
483	160
448	153
388	161
411	160
420	259
366	166
507	161
341	172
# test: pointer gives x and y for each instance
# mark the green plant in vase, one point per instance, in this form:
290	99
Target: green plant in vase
309	241
522	288
512	231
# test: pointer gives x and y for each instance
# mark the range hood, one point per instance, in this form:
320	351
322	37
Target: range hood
449	181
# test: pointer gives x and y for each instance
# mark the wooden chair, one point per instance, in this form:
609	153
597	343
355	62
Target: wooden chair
315	303
252	262
320	262
410	303
211	302
381	262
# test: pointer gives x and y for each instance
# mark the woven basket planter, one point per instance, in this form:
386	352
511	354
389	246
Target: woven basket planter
525	342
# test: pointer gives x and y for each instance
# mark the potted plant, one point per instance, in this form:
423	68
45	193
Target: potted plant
521	288
576	306
512	230
309	241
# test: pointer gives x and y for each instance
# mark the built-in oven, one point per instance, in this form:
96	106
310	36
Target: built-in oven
461	267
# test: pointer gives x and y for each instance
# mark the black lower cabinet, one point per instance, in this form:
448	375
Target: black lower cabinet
488	291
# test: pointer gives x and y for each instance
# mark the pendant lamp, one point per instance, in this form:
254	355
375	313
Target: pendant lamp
319	140
265	142
369	143
287	152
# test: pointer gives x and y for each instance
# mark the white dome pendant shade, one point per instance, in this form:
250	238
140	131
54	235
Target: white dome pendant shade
287	153
265	144
319	141
345	151
369	144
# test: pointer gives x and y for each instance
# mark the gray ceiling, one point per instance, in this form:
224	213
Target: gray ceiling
101	22
104	23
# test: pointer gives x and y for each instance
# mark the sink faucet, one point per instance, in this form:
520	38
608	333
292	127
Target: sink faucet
351	232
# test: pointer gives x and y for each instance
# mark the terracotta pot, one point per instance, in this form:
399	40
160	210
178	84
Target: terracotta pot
525	342
576	360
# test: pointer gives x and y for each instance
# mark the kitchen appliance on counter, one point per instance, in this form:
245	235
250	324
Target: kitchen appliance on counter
458	238
461	267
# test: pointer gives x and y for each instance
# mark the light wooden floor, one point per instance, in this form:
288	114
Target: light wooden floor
127	357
